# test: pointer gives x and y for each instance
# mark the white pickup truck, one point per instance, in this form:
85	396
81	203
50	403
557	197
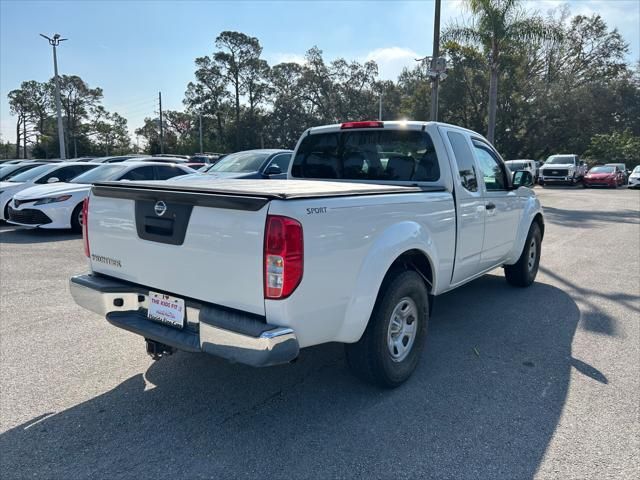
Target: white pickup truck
255	270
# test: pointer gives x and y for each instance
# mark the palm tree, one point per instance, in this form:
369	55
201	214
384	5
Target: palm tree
495	25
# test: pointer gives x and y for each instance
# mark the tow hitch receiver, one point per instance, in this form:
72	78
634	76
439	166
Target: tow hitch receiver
158	350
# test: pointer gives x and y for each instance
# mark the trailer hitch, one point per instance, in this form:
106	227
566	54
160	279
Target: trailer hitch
158	350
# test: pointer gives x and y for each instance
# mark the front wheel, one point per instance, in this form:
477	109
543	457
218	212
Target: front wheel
76	219
390	348
524	271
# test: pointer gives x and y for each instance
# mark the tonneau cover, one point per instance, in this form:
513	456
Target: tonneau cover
268	189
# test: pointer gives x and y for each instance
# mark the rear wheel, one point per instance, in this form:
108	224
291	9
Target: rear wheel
389	350
76	219
524	271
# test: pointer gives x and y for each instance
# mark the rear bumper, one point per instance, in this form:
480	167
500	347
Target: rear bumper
236	336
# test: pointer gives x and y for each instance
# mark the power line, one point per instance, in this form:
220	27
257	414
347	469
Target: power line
138	103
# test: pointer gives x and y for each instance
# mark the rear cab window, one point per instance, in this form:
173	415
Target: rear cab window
382	155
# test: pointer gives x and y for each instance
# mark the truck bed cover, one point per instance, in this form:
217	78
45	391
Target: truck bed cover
261	189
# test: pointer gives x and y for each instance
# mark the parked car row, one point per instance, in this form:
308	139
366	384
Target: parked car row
50	195
568	169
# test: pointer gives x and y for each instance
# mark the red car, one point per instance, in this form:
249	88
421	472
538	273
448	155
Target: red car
606	176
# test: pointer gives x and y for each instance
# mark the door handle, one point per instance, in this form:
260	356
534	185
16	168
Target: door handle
490	206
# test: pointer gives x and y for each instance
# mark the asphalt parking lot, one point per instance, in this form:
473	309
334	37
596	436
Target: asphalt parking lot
541	382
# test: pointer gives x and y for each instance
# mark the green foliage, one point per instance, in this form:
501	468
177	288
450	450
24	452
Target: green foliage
616	147
89	128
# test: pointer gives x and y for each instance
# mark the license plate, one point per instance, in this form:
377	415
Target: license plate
166	309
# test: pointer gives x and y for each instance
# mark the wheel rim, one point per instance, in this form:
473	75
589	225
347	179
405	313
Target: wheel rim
533	251
403	327
80	217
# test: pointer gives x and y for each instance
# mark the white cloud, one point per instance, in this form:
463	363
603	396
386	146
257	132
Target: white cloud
287	58
392	60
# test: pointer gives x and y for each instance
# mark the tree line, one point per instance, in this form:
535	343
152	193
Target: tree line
89	129
536	85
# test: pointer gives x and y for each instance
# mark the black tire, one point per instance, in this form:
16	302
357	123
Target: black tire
6	211
523	272
371	358
76	222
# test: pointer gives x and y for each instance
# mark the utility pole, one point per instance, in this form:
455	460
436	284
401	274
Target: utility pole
54	42
380	108
161	126
200	119
434	60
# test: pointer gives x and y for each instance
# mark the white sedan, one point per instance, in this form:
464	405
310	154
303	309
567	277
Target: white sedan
42	175
60	205
634	178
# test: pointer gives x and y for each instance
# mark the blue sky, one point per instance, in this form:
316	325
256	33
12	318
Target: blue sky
133	49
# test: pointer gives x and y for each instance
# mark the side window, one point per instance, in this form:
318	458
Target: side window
65	174
464	160
282	161
490	168
165	173
140	173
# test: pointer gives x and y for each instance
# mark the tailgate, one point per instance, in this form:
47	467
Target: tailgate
205	246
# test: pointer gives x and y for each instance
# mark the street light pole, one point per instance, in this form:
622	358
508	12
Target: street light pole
200	118
434	60
54	42
161	125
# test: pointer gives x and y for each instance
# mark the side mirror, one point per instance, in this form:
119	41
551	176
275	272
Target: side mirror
53	180
273	169
522	178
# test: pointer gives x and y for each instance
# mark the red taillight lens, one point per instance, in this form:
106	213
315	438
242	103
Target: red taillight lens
283	256
85	226
367	124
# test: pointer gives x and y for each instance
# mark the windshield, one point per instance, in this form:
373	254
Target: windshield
31	174
602	170
240	162
386	155
560	160
100	174
8	171
636	170
513	166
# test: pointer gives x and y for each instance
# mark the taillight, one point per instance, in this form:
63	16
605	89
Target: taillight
85	226
367	124
283	256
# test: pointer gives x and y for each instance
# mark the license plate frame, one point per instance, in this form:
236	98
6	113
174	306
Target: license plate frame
166	309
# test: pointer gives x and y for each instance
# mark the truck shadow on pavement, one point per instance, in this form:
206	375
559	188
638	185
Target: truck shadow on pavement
484	403
19	235
587	218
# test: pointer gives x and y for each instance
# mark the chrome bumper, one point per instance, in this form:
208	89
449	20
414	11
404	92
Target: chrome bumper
233	335
556	179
